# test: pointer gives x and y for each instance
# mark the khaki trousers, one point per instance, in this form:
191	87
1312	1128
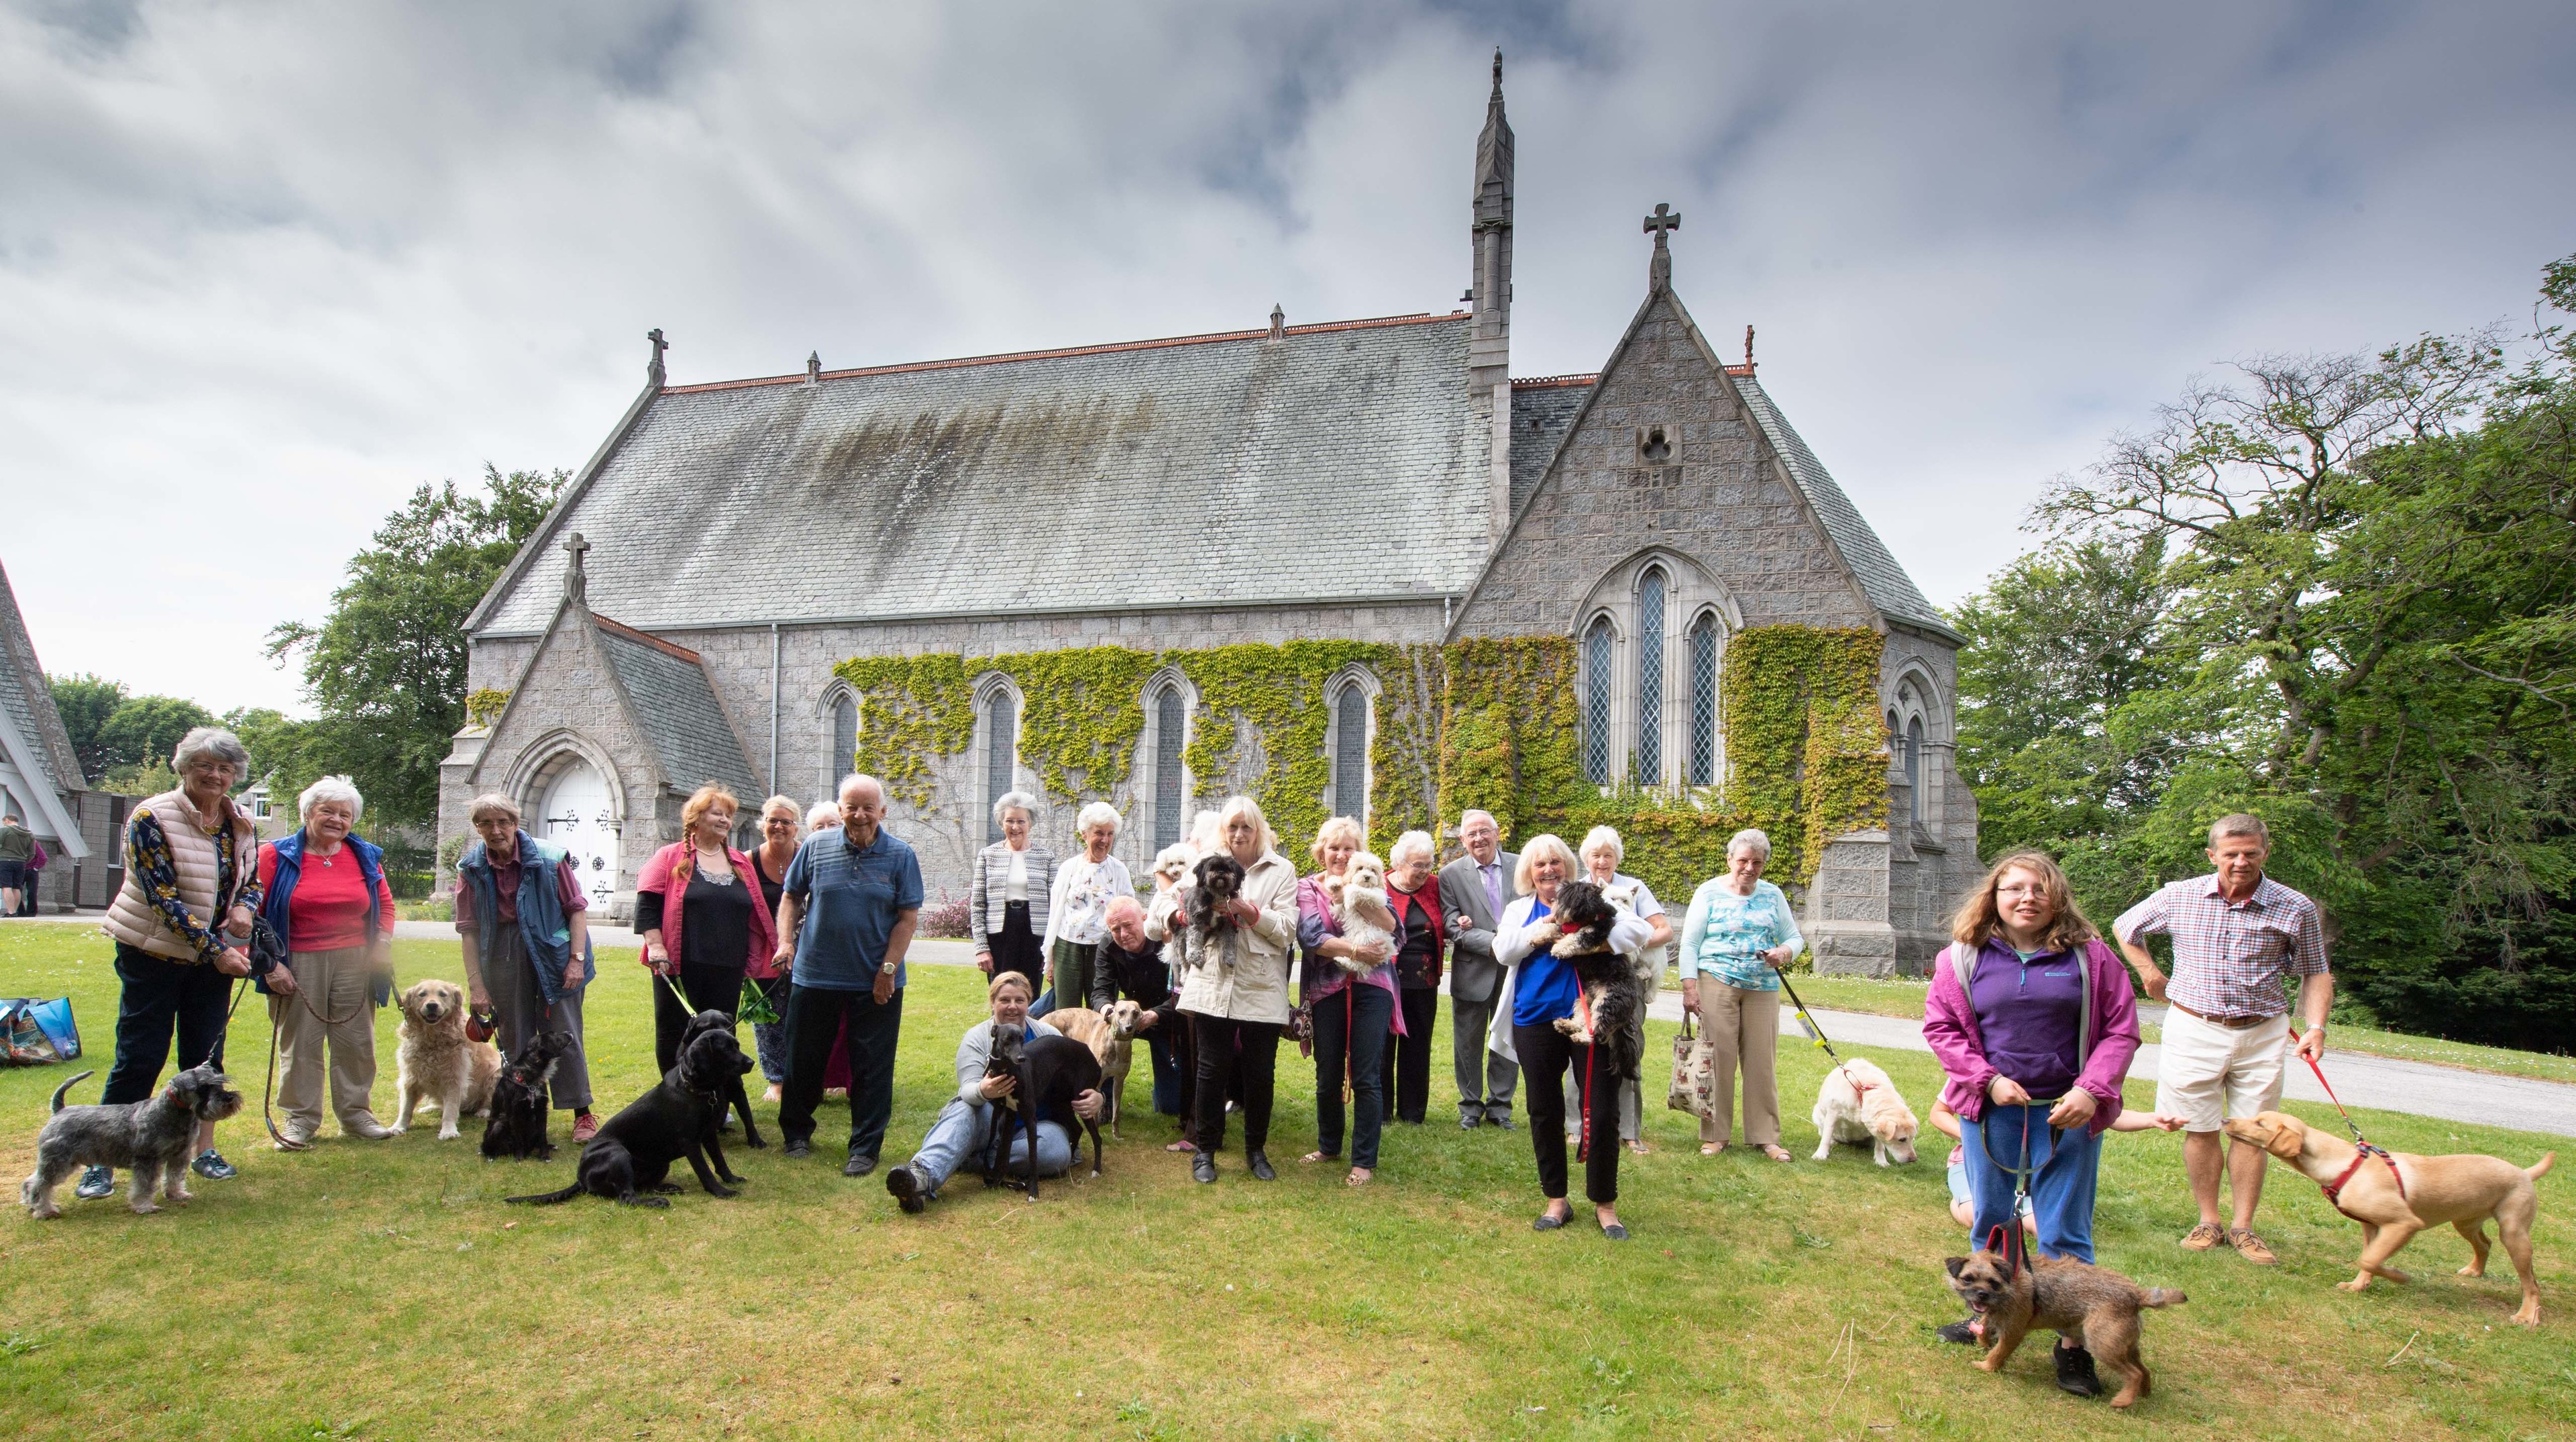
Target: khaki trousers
1740	1027
333	984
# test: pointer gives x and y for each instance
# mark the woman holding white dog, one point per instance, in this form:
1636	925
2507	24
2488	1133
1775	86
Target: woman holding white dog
704	920
1077	912
1539	991
1601	853
1352	1011
1737	935
325	895
2031	1017
1007	899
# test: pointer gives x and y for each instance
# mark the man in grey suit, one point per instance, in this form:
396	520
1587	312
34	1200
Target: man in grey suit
1473	890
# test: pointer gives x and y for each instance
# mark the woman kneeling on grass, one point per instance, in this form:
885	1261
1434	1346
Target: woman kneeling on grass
1539	991
2031	1017
965	1125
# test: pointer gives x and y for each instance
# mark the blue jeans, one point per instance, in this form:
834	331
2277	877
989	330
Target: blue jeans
2061	1190
1350	1038
964	1131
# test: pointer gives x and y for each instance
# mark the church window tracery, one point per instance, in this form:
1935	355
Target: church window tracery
1650	676
1596	702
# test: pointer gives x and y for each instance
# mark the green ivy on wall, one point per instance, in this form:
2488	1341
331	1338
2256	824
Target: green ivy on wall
1510	740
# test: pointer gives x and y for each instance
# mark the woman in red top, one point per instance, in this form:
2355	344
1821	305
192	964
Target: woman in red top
703	919
326	897
1413	890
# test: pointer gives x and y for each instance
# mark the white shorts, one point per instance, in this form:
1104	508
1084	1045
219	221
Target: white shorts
2210	1072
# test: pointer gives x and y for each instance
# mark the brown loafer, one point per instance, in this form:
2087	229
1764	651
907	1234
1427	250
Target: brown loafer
2203	1237
2250	1247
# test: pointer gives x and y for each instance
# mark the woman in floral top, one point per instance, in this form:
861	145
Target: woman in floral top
1078	907
1740	931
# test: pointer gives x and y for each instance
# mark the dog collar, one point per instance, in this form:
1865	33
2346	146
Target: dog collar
2334	1189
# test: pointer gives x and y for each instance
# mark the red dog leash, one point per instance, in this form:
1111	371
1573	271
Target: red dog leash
2334	1189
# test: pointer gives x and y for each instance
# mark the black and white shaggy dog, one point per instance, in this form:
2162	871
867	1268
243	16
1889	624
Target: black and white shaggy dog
1217	879
1613	997
633	1153
1050	1071
519	1107
154	1139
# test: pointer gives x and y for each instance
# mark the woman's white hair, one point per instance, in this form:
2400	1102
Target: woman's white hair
1250	809
1750	836
214	743
1206	836
822	814
1535	850
501	801
1409	843
1098	813
1603	838
1019	801
330	788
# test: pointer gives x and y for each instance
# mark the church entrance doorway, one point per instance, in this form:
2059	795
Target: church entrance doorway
577	817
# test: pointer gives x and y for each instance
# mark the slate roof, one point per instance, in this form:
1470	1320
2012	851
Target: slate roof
1338	462
676	710
1884	581
1543	410
28	701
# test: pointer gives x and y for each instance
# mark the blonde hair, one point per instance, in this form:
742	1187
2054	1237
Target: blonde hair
1246	807
777	804
1339	826
702	801
1537	849
993	988
1976	920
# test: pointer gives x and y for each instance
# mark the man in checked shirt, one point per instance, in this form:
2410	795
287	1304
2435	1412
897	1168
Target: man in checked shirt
2236	934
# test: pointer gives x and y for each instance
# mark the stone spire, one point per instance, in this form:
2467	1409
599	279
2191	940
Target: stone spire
1490	285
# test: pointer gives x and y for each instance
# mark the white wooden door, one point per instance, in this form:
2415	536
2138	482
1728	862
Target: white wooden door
576	817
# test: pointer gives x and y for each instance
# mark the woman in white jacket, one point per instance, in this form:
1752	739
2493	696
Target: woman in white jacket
1539	990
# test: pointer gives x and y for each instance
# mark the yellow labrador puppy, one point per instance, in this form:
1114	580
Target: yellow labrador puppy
2462	1190
439	1063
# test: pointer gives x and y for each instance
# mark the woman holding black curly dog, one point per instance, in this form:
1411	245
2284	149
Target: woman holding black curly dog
1538	992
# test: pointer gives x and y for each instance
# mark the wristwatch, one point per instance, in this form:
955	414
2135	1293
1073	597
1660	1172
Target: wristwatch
886	970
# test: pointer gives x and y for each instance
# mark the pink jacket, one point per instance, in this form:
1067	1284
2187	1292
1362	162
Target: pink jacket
1950	1028
668	873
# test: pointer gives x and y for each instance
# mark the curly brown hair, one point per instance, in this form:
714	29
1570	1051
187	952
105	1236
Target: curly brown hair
1975	922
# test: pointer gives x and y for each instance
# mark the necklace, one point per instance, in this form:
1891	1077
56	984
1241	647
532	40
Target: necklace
715	878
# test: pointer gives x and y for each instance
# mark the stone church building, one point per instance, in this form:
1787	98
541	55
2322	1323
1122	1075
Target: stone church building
678	616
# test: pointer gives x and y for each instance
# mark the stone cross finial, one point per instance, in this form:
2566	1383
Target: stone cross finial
813	368
1748	347
1278	321
654	372
577	579
1659	270
1498	72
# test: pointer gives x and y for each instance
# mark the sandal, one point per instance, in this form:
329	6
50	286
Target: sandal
1313	1157
1775	1152
1359	1177
1183	1145
1710	1149
1639	1146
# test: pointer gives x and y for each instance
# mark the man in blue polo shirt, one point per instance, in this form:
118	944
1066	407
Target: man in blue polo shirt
857	892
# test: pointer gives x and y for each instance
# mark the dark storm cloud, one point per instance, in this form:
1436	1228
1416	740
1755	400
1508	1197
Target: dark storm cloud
264	267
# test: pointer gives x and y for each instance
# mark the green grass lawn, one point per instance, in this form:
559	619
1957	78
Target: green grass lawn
382	1290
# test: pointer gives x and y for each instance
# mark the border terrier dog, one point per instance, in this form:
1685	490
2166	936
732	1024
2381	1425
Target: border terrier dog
2095	1308
153	1139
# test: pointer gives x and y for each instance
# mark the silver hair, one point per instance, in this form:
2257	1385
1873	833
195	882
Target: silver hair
1603	838
1409	843
1750	836
1014	801
2243	823
1098	813
821	814
859	778
330	788
214	743
501	801
1471	813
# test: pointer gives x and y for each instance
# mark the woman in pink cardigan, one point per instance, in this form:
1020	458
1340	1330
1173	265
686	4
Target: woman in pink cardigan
704	922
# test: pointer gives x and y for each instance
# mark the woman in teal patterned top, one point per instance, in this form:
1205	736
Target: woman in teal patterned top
1739	932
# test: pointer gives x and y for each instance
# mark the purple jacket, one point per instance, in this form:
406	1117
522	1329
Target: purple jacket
1950	1027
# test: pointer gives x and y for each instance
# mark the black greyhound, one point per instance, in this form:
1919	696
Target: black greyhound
633	1153
1051	1072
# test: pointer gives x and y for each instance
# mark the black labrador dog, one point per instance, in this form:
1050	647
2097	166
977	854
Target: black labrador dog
633	1153
1051	1072
519	1108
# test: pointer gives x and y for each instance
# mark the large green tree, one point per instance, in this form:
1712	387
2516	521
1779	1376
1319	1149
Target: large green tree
385	670
86	702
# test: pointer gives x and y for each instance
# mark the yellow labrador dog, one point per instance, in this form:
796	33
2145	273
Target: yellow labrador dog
2462	1190
440	1064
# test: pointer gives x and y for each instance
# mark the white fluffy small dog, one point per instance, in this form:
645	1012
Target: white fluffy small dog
1360	908
439	1063
1874	1113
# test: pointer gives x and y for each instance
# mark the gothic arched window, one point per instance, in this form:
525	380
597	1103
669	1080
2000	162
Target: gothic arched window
1596	702
1650	678
1914	766
845	738
1168	724
1001	740
1703	708
1350	753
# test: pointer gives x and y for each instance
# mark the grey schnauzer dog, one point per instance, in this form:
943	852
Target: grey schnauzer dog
153	1139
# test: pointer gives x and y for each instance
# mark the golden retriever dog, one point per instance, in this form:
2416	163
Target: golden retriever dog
439	1064
2463	1190
1873	1112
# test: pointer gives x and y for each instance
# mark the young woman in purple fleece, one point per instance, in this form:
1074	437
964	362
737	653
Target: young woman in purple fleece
2031	1016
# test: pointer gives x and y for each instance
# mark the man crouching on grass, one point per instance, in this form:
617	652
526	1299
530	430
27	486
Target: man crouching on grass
965	1125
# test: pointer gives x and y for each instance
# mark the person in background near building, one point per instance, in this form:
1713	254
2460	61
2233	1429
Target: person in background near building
863	887
2238	936
1421	941
36	859
1006	900
1541	991
1130	967
1352	1011
1234	986
704	923
17	844
525	925
1171	885
180	923
780	832
820	817
1740	931
1077	918
964	1129
325	894
1600	854
1473	891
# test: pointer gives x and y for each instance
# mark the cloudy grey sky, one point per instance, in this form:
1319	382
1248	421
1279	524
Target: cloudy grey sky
264	268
